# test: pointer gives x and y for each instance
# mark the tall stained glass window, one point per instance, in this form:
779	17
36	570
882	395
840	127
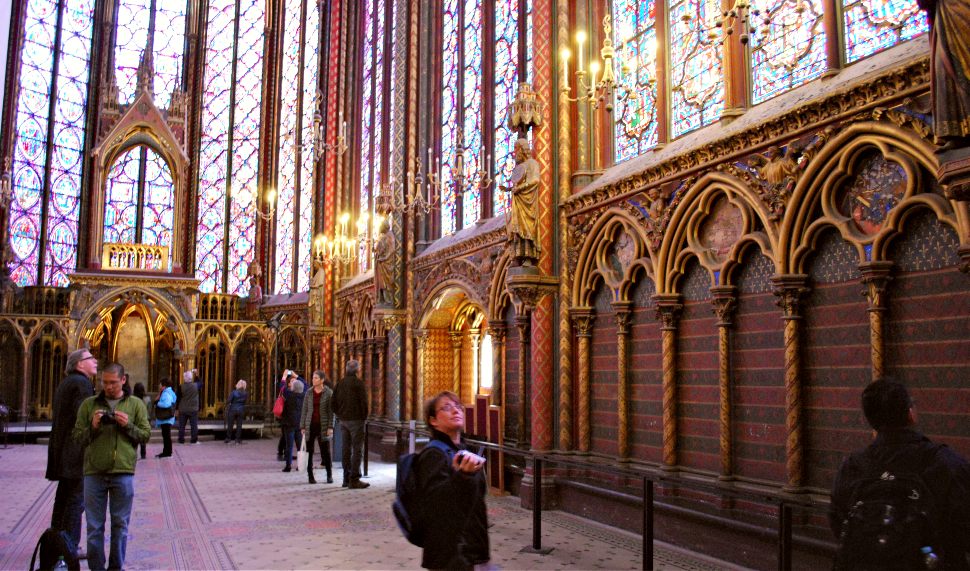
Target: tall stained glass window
49	138
636	95
229	145
371	113
139	200
696	75
471	110
791	50
158	25
506	82
450	127
874	25
294	211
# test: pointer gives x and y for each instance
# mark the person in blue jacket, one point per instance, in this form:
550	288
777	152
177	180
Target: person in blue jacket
165	415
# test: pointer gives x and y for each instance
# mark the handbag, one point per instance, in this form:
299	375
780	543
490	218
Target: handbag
163	412
278	405
302	457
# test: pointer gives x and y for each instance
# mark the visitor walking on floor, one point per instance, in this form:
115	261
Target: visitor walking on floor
350	406
316	423
235	409
292	408
188	404
165	415
65	457
110	425
903	502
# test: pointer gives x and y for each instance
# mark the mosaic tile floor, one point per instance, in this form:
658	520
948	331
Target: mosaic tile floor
213	506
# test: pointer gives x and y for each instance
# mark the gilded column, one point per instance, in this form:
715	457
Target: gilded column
583	323
522	323
366	370
421	342
790	290
498	363
622	311
876	278
380	409
475	337
725	303
668	312
565	289
456	362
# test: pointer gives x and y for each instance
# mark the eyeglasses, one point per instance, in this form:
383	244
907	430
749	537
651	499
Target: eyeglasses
88	357
451	407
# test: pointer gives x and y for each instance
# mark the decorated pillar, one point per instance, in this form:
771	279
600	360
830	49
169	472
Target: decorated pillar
791	290
421	342
565	274
456	363
725	303
668	313
876	278
583	323
380	408
475	337
522	324
497	332
623	312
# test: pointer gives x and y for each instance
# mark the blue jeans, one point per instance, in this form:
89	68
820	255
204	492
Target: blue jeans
113	492
192	417
289	434
353	452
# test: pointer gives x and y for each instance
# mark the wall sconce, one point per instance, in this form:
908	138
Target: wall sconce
596	91
270	200
320	146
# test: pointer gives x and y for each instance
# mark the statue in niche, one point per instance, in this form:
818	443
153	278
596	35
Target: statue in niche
315	301
522	222
8	287
384	251
949	70
253	274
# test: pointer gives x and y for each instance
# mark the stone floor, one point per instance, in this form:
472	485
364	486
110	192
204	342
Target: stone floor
213	506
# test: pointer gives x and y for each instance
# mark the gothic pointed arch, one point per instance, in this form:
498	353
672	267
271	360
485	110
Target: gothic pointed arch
613	249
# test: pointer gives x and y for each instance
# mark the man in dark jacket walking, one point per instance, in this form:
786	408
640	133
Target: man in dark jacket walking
452	492
350	406
65	457
899	449
188	404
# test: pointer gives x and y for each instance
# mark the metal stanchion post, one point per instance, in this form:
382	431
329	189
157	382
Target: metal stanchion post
784	537
647	524
536	546
366	444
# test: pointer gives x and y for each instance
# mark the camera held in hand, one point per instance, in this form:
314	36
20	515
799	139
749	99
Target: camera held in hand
108	418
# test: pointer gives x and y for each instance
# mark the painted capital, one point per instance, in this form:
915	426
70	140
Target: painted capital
725	300
791	290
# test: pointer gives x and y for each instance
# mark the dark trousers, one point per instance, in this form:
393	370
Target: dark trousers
317	436
235	419
68	507
352	432
186	417
166	439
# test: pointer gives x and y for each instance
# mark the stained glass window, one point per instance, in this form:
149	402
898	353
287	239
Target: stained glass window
294	184
49	140
874	25
635	36
450	127
164	22
368	126
696	76
506	79
139	201
229	145
790	50
472	110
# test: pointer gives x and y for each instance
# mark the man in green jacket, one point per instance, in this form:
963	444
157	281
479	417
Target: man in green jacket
110	425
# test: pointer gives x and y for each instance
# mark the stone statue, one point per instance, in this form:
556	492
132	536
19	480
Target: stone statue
315	300
255	290
522	222
384	251
949	70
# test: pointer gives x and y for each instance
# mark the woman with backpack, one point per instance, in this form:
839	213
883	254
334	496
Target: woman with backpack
165	415
235	409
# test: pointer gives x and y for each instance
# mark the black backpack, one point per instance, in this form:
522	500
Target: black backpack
407	498
52	545
889	525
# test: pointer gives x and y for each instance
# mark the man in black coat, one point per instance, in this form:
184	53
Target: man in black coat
65	457
899	449
350	406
